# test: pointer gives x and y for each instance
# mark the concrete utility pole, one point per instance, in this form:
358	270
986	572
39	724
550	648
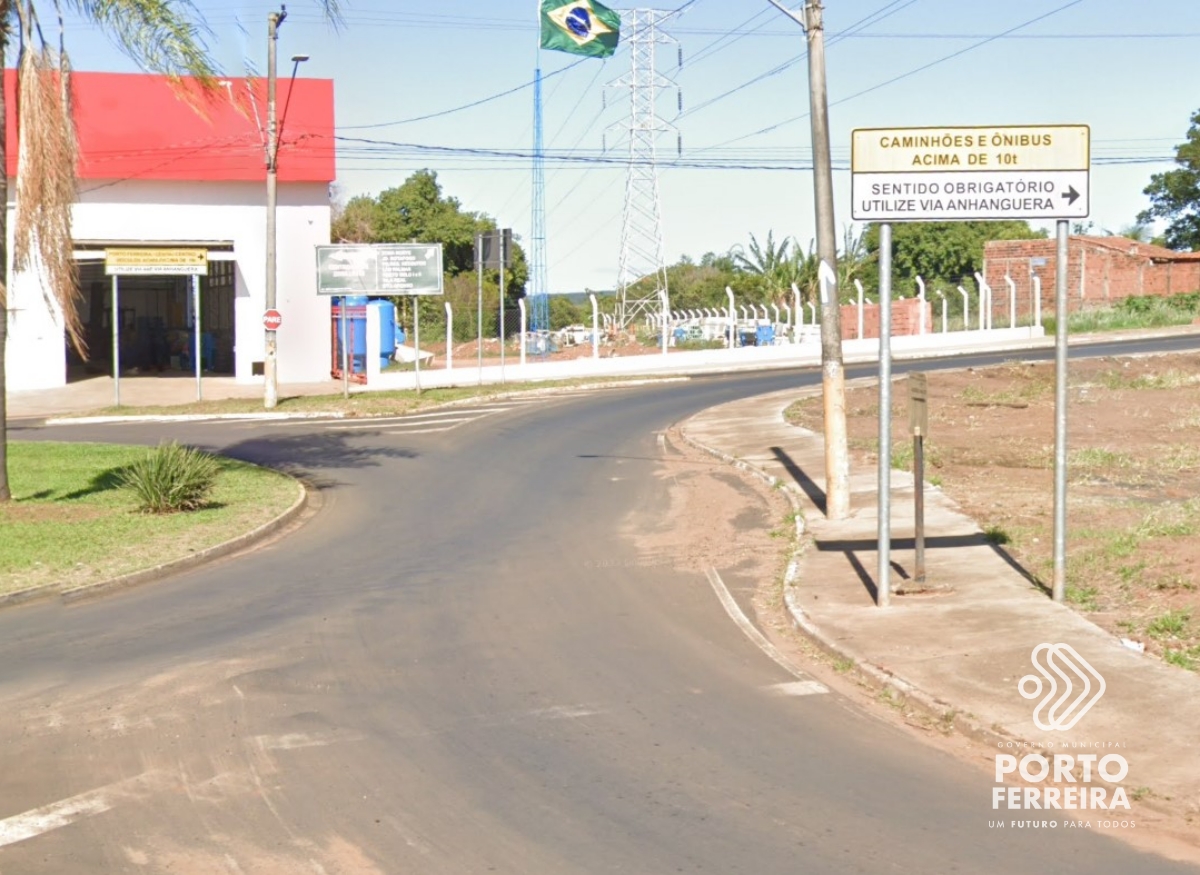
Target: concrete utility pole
833	376
270	373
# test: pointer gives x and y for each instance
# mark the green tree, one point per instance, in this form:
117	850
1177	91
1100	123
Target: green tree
160	36
419	210
1175	194
946	253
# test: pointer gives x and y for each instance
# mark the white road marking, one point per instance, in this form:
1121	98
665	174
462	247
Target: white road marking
798	688
299	740
33	823
735	613
421	430
59	814
563	712
398	423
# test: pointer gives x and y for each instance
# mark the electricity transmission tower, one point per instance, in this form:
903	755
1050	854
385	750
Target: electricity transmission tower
642	275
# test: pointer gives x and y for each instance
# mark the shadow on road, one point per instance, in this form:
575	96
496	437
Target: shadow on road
311	456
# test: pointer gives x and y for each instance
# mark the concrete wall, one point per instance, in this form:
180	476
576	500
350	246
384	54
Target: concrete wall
144	212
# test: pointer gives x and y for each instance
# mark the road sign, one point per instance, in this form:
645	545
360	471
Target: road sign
153	261
380	269
966	173
272	319
918	403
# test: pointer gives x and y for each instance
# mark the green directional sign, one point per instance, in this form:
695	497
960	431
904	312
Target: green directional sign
380	269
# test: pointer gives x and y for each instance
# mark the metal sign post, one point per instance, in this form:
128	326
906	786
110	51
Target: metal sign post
343	307
503	261
196	330
940	174
152	261
116	341
417	341
918	423
1059	590
479	311
883	581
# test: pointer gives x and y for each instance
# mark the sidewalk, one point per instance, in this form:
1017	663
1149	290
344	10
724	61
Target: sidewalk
95	393
964	650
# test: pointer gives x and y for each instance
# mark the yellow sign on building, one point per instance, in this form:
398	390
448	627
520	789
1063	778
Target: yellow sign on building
154	261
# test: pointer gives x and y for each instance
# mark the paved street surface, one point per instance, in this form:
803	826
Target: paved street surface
461	665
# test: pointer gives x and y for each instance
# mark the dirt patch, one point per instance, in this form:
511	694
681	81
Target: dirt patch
713	519
1133	555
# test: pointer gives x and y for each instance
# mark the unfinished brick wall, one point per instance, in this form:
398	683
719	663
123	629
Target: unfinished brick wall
1100	271
905	319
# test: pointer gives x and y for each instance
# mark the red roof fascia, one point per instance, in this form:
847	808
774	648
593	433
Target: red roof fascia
143	126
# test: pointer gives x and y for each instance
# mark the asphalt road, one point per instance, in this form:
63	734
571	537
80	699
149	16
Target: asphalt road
461	665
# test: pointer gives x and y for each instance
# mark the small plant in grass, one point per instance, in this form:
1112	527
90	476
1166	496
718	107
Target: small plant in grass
1084	596
996	536
841	666
172	478
1186	659
1170	625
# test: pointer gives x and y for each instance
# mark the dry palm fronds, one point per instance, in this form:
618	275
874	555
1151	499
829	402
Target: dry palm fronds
46	182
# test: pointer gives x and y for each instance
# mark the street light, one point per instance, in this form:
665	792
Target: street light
270	359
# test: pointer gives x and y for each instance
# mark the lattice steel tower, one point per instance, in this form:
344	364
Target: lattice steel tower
642	275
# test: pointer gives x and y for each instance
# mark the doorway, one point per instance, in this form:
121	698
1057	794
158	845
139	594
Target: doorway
157	335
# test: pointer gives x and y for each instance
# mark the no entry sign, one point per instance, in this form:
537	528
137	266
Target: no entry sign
272	319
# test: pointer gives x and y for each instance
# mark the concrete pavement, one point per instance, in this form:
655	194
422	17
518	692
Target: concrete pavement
962	648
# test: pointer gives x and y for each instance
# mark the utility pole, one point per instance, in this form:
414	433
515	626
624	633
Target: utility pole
833	376
270	372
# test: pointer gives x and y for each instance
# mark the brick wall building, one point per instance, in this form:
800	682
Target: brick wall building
1101	271
906	317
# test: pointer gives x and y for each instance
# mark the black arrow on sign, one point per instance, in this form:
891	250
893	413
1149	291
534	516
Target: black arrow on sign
1071	195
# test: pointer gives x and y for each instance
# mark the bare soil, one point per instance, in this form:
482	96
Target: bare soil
1133	508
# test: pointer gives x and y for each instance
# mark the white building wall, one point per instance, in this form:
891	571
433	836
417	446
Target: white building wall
134	212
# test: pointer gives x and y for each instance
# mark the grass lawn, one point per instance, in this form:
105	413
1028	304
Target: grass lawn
70	524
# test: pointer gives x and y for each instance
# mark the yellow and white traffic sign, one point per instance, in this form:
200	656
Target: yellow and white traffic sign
155	261
967	173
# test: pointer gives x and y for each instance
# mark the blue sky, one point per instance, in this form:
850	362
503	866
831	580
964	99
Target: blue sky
1126	71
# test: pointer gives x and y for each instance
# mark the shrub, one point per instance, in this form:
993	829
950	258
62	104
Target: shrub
172	478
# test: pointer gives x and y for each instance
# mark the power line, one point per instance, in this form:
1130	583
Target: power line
898	78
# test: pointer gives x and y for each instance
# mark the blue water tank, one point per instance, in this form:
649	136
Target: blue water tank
357	328
766	335
387	330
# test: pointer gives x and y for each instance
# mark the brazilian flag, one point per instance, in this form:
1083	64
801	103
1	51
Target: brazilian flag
581	27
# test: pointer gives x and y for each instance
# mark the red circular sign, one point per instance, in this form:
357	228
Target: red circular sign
272	319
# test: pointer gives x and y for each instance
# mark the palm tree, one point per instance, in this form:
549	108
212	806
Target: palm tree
162	36
777	265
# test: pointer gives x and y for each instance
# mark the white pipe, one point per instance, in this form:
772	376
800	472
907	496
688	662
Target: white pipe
787	309
1012	301
449	337
921	312
666	326
775	307
812	310
944	323
966	308
1037	301
799	312
858	285
595	327
732	319
985	292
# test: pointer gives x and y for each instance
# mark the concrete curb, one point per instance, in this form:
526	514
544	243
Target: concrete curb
501	395
189	417
306	499
878	677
